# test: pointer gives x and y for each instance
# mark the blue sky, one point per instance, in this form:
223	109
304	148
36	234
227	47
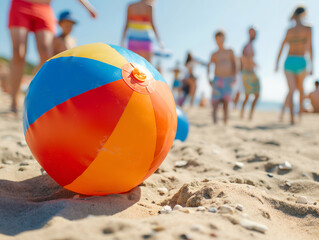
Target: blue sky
189	25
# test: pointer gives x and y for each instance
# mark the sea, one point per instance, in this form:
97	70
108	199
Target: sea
262	105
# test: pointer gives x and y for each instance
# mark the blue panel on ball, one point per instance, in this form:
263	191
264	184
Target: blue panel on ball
61	79
182	125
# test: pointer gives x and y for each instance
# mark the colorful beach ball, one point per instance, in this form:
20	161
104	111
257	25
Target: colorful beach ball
99	119
182	125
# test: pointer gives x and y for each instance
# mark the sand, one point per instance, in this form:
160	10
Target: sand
33	206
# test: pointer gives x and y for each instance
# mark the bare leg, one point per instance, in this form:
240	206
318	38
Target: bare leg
236	99
299	82
215	107
192	90
180	91
174	93
225	107
253	106
243	106
19	38
182	99
291	85
281	117
45	46
5	82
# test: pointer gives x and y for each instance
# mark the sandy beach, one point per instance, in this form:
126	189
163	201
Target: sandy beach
250	180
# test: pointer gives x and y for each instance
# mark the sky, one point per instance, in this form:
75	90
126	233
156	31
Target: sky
185	25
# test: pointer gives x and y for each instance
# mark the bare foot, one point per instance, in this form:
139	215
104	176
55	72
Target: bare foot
281	117
299	117
14	109
241	114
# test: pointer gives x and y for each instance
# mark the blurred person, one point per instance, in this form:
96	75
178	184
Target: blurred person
31	16
238	87
249	77
314	98
189	84
64	41
139	29
184	92
4	76
298	39
203	101
225	72
177	83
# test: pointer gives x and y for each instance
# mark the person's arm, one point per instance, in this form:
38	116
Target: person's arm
89	7
155	29
199	61
56	46
308	96
212	60
234	63
310	51
126	26
280	51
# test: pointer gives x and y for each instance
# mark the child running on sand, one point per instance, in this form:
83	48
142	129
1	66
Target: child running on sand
64	41
225	71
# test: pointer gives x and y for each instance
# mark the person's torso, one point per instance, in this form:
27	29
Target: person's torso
64	43
224	65
247	60
190	66
298	40
139	17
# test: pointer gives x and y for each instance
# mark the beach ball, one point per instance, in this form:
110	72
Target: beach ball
99	119
182	125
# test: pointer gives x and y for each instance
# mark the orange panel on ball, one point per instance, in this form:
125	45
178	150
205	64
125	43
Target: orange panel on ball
126	157
166	122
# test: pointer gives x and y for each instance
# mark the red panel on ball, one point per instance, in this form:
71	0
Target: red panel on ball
66	139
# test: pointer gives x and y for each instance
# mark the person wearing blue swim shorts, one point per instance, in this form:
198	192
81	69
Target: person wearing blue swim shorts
225	72
298	39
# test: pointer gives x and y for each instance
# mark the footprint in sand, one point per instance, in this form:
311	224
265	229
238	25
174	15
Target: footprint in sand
258	158
271	142
297	210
